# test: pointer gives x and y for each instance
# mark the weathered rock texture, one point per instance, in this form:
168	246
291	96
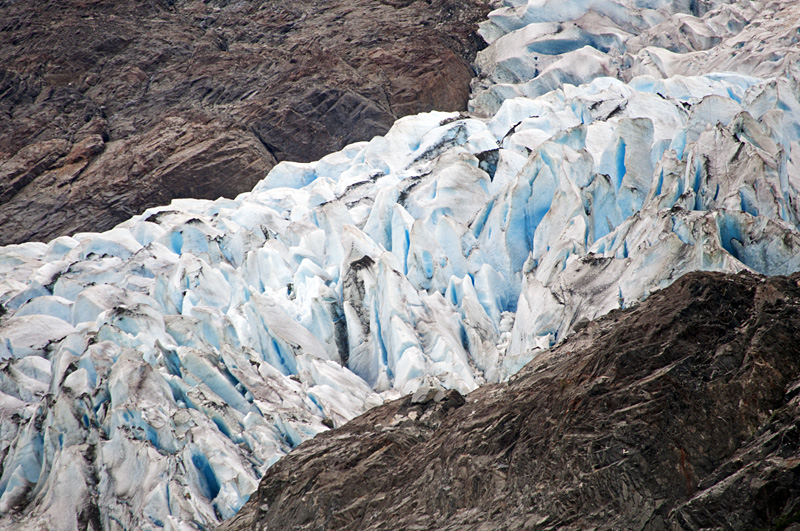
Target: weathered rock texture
678	414
109	107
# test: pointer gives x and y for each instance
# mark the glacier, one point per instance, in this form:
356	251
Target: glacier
150	374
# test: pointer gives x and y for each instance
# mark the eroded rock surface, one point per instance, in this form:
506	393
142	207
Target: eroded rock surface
107	108
677	414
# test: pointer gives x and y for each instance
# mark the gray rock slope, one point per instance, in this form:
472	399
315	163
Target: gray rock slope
680	413
107	108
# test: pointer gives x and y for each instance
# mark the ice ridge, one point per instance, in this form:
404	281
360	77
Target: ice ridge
538	45
153	372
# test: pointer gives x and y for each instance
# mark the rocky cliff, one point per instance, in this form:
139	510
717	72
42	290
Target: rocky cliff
107	108
680	413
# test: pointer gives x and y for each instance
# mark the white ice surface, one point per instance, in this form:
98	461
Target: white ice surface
151	374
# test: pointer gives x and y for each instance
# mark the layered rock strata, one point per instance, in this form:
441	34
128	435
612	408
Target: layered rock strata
678	414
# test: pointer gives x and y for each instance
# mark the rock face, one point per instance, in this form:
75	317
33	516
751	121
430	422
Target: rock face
677	414
107	108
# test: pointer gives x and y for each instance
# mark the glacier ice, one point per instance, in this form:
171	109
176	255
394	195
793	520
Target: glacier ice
150	374
538	45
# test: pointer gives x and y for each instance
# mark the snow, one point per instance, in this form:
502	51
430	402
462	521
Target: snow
156	370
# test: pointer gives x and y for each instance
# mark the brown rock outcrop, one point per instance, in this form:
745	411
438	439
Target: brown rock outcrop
678	414
108	107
